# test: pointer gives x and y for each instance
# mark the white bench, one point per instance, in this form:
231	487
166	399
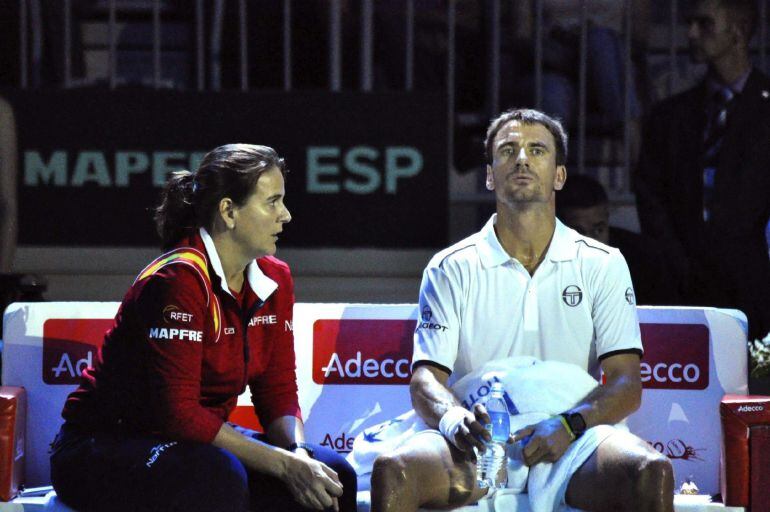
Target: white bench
358	355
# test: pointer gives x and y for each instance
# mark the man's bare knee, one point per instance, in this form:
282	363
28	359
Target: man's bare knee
650	483
654	482
462	485
428	473
390	474
626	474
393	488
389	468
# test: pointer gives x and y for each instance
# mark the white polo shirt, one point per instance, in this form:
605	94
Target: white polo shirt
477	304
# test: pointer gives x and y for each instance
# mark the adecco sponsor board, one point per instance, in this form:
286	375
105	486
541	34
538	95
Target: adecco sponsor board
70	346
362	351
676	356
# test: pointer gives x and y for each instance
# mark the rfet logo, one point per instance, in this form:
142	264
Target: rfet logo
676	356
362	351
69	346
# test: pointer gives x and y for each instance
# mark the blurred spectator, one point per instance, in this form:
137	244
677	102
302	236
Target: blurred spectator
264	29
605	58
703	180
583	205
44	39
9	43
8	172
430	48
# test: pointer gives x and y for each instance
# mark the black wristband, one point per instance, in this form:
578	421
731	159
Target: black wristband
293	447
576	423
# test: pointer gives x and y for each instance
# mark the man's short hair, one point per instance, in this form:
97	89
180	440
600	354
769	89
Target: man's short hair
528	116
580	191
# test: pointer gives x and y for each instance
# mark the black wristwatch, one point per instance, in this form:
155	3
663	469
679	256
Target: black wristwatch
294	446
576	423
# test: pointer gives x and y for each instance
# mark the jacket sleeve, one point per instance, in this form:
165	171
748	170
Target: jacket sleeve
274	391
173	313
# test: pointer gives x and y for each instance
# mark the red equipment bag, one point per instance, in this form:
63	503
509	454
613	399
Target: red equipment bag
745	475
13	419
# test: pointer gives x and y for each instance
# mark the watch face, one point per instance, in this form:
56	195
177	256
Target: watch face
577	423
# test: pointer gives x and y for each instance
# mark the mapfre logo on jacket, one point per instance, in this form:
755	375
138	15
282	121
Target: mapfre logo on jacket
341	357
196	260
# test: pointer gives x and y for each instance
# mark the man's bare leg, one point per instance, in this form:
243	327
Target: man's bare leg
425	471
624	473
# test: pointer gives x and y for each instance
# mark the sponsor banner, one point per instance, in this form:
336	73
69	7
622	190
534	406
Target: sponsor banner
353	367
375	164
692	357
676	356
693	450
339	357
342	443
47	344
70	346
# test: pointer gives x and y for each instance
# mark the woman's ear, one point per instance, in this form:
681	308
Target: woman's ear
227	212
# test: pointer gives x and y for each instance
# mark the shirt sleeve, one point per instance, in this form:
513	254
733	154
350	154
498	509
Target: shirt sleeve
616	324
173	315
274	391
436	335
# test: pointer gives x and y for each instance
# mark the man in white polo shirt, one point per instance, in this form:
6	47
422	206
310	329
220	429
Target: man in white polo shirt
526	285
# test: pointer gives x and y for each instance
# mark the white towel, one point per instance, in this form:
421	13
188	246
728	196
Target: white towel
534	390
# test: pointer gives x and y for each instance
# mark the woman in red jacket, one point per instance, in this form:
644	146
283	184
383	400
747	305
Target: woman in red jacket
147	428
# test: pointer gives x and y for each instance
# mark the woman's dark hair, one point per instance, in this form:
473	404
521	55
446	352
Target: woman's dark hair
190	200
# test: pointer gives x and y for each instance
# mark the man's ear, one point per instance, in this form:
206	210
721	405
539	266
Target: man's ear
561	177
226	212
490	182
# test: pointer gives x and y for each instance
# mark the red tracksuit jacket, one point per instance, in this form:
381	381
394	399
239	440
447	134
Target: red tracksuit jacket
182	349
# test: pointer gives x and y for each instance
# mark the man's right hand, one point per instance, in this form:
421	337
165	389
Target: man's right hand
465	429
312	483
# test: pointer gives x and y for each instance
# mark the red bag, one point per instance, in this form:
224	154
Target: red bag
745	451
13	419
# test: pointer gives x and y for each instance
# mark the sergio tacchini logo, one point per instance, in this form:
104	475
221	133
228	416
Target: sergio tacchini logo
572	295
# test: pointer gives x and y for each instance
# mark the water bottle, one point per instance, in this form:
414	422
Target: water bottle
489	463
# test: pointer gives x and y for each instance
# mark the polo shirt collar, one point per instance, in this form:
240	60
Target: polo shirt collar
262	285
563	246
492	254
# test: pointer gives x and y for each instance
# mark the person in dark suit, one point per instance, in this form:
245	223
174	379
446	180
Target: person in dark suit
582	204
703	178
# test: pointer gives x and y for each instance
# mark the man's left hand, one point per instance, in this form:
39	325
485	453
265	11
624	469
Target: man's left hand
548	440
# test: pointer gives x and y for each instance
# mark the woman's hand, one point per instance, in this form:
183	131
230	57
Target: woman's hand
312	483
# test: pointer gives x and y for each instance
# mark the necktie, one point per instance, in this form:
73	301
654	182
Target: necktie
712	143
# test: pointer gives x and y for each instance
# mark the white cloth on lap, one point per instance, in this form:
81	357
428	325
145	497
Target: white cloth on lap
534	390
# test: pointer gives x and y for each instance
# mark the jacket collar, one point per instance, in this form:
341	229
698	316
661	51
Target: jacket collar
262	285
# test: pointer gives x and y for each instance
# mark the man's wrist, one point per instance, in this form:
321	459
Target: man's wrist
574	423
301	446
566	426
450	422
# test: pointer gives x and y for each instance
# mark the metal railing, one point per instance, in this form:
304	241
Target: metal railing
210	29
